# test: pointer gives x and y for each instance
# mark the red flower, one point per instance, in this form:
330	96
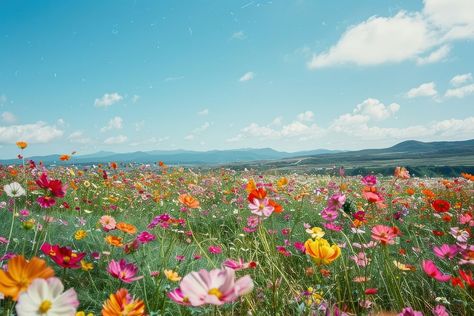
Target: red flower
63	256
441	206
258	194
277	208
455	281
371	291
467	277
438	233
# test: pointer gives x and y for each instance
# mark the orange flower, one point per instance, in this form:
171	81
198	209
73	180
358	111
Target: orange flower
410	191
121	303
21	273
401	172
467	176
22	144
126	228
64	157
428	193
189	201
113	165
114	240
277	208
250	186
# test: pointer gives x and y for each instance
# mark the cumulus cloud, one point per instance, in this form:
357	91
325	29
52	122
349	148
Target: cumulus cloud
247	76
203	112
461	79
39	132
114	123
8	117
108	99
79	138
460	92
149	141
306	116
424	90
404	36
197	130
376	110
119	139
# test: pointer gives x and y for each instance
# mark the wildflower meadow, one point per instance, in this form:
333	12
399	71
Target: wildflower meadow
152	239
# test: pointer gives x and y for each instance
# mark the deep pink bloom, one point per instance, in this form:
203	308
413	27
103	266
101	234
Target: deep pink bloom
145	237
46	201
369	180
329	214
440	310
408	311
432	270
215	249
123	271
299	246
333	226
177	296
337	200
446	251
63	256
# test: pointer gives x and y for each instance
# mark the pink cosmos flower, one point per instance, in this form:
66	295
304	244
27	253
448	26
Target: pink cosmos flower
332	226
360	259
384	234
238	265
215	250
123	271
107	222
440	310
261	207
432	270
337	200
329	214
215	287
408	311
446	251
373	197
145	237
46	201
299	246
460	234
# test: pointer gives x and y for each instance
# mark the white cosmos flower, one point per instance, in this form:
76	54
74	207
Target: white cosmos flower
46	298
14	189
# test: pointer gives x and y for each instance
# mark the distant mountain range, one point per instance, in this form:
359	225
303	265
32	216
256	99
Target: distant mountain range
407	153
176	157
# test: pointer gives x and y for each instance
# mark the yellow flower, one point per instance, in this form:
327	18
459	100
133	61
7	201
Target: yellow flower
315	232
86	266
80	234
22	144
172	276
321	252
282	182
87	184
82	313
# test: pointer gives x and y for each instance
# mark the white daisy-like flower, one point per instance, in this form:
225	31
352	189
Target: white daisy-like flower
46	298
14	189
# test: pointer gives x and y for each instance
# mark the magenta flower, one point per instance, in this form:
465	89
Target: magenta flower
369	180
216	287
337	200
215	250
446	251
123	271
440	310
432	270
329	214
408	311
145	237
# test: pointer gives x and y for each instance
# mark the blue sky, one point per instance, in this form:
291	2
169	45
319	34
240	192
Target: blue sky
291	75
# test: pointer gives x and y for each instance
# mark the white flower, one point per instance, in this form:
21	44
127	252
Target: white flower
14	189
46	298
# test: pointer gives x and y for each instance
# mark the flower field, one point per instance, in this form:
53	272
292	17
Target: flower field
121	239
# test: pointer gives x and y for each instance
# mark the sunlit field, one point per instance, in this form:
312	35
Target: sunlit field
123	239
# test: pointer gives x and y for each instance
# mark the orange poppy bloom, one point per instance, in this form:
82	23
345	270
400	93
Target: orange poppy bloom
277	208
22	144
64	157
113	165
126	228
114	240
428	193
189	201
250	186
122	303
410	191
21	273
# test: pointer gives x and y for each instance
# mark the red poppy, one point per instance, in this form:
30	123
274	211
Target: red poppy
258	194
371	291
438	233
441	206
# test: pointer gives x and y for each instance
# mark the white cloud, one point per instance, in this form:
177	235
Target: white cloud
114	123
203	112
108	99
8	117
461	79
435	56
296	129
120	139
404	36
150	141
378	40
79	137
460	92
277	121
306	116
247	76
189	137
39	132
240	35
197	130
375	109
424	90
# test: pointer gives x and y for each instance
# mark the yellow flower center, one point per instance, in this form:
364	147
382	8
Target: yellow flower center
66	259
215	292
45	306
